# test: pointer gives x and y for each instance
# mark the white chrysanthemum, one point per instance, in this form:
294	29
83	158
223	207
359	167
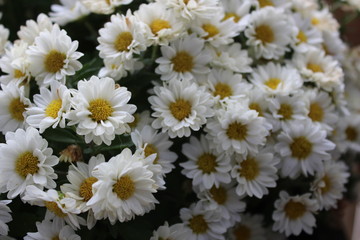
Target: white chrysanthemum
122	37
255	173
124	188
231	57
26	161
104	6
348	133
53	57
118	68
151	142
205	166
323	20
180	106
183	59
15	64
162	25
250	228
67	11
32	29
294	214
280	4
101	110
239	11
237	129
201	223
5	217
269	33
304	6
50	107
12	107
333	45
4	33
141	120
319	68
276	79
52	230
173	232
303	147
329	185
257	100
59	207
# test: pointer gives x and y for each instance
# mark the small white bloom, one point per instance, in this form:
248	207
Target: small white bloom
5	217
116	68
104	6
68	11
239	11
4	33
348	133
165	231
52	230
333	45
323	20
32	29
250	226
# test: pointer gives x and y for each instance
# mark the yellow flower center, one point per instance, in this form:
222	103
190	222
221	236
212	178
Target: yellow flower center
26	163
235	17
223	90
134	123
183	62
302	37
301	147
351	133
207	163
327	182
265	3
16	109
316	112
53	108
18	74
219	194
264	33
249	169
55	238
273	83
255	106
294	210
158	25
100	109
108	2
237	131
53	207
54	61
198	224
242	232
151	149
211	30
180	109
124	187
85	190
314	67
186	1
123	41
315	21
285	111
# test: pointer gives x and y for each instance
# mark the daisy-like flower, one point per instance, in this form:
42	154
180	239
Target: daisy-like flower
5	217
269	33
151	142
122	37
26	161
4	33
201	223
237	129
59	207
50	107
238	11
257	100
53	57
180	106
276	79
280	4
101	110
32	28
124	188
104	6
52	230
323	70
183	59
333	45
116	68
294	214
303	147
323	20
329	185
250	228
162	25
348	133
165	231
255	173
68	11
205	167
13	104
141	120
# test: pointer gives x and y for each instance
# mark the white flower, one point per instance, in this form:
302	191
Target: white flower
250	226
26	160
333	45
104	6
68	11
204	166
180	106
12	107
303	147
276	79
323	20
118	68
294	214
4	33
5	217
348	133
53	57
141	120
101	110
50	107
52	230
124	188
32	29
257	100
329	185
165	231
238	11
255	173
269	33
183	59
